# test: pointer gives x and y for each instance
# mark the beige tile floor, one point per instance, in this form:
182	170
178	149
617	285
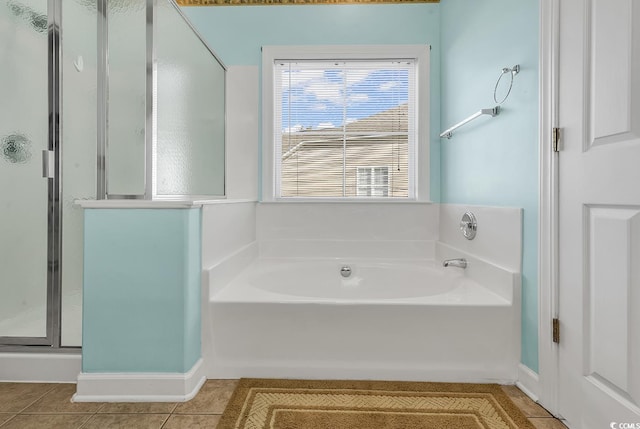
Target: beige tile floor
49	406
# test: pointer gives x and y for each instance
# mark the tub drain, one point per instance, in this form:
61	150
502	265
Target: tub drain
345	271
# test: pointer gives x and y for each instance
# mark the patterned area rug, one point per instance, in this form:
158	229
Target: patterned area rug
313	404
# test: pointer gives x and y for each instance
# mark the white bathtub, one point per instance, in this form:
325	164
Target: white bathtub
299	318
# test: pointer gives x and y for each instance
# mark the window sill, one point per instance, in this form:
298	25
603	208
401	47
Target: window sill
345	201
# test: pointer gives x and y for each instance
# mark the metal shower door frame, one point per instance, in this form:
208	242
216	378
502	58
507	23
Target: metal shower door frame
151	103
52	340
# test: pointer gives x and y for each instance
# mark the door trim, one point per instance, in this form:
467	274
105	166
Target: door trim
548	205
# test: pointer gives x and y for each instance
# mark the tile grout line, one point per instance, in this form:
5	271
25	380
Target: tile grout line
86	421
170	414
51	389
14	416
166	420
92	416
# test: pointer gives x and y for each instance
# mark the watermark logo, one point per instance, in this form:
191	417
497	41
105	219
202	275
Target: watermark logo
615	425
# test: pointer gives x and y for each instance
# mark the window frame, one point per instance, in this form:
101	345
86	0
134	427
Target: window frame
420	53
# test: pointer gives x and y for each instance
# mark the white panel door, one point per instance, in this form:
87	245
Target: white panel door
599	278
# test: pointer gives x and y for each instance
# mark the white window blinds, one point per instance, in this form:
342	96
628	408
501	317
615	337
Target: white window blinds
339	124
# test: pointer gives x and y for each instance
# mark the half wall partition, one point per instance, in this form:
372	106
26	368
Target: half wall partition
142	259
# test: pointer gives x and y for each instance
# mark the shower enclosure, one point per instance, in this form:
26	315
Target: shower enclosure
101	99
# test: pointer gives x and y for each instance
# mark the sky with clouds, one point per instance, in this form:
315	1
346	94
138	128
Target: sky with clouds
326	95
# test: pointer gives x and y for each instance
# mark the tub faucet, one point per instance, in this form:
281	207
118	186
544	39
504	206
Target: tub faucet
459	262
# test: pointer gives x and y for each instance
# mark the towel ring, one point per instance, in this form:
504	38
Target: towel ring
511	71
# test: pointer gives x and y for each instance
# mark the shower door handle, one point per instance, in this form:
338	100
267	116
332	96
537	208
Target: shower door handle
48	164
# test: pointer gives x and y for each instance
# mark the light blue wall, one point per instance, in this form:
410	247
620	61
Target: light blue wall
141	309
236	34
192	286
494	161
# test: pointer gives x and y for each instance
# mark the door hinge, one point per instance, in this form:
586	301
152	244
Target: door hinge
555	138
556	330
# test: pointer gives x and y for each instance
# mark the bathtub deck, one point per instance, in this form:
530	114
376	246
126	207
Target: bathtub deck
468	294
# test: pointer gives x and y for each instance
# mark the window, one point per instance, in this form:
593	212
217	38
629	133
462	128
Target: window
345	122
372	181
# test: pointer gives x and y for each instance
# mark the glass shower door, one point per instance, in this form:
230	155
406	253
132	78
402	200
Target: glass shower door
24	193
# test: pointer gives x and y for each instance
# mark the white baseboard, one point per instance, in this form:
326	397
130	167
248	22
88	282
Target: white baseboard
40	367
140	387
528	382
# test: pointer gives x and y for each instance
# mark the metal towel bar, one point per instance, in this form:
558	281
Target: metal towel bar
495	111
